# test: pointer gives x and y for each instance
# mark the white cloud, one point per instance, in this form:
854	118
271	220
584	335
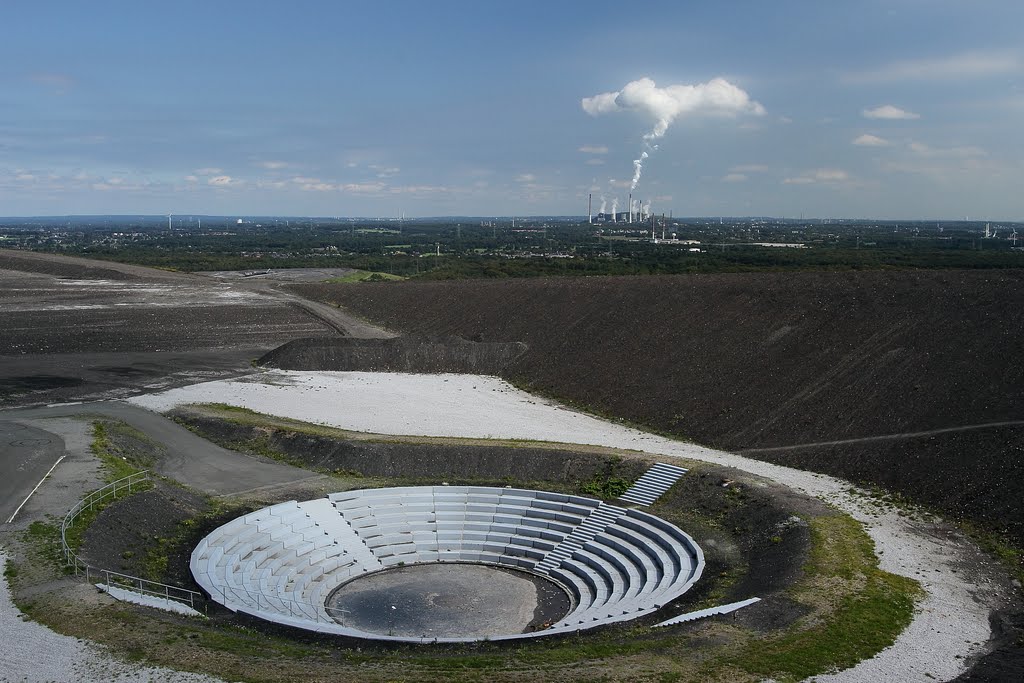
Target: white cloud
734	178
526	178
208	171
191	179
386	172
826	176
273	165
965	152
222	181
868	140
420	189
594	149
595	161
363	188
889	112
717	97
965	65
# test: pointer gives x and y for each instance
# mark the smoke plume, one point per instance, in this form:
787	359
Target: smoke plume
604	203
638	167
615	207
717	97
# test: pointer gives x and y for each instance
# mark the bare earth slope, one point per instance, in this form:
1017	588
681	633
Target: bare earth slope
758	361
75	329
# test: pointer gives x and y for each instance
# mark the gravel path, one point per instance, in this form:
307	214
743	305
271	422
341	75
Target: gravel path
952	623
32	652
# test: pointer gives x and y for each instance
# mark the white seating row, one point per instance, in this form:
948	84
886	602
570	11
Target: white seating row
282	563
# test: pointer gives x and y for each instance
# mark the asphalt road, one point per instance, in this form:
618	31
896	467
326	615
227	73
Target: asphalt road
26	455
187	458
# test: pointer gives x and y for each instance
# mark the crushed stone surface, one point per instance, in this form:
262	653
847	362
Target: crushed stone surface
31	652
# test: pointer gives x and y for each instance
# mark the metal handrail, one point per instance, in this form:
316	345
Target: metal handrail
136	583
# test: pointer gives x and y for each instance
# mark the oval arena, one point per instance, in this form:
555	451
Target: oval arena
446	563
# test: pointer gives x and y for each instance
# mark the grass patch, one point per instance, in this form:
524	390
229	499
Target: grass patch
42	548
364	276
997	545
607	484
865	609
119	459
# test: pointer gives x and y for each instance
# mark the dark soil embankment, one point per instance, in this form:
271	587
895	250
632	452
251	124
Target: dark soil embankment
760	360
393	460
132	535
400	354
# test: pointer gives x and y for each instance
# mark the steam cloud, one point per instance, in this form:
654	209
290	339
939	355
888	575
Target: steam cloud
717	97
604	204
638	167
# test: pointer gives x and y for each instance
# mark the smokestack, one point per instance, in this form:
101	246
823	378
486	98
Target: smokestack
630	207
590	208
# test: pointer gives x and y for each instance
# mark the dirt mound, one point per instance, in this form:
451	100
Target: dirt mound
745	361
399	354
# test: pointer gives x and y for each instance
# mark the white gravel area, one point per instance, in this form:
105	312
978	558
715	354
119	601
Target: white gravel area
951	624
31	652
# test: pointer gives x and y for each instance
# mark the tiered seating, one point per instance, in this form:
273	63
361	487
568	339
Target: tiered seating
512	527
281	563
645	562
285	558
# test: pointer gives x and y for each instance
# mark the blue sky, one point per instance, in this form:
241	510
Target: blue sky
893	109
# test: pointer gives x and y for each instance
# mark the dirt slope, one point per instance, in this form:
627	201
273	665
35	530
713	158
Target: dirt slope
400	354
747	361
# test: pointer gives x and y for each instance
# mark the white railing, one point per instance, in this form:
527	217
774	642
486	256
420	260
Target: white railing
111	491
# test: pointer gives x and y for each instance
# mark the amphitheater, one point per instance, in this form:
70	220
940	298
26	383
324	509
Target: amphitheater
286	563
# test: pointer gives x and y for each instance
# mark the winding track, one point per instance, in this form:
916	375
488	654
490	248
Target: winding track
187	458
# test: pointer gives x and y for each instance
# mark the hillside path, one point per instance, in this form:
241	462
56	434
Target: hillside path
884	437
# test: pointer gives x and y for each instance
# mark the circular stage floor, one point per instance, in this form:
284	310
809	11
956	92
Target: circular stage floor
448	600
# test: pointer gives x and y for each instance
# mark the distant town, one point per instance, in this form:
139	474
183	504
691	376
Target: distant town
458	247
